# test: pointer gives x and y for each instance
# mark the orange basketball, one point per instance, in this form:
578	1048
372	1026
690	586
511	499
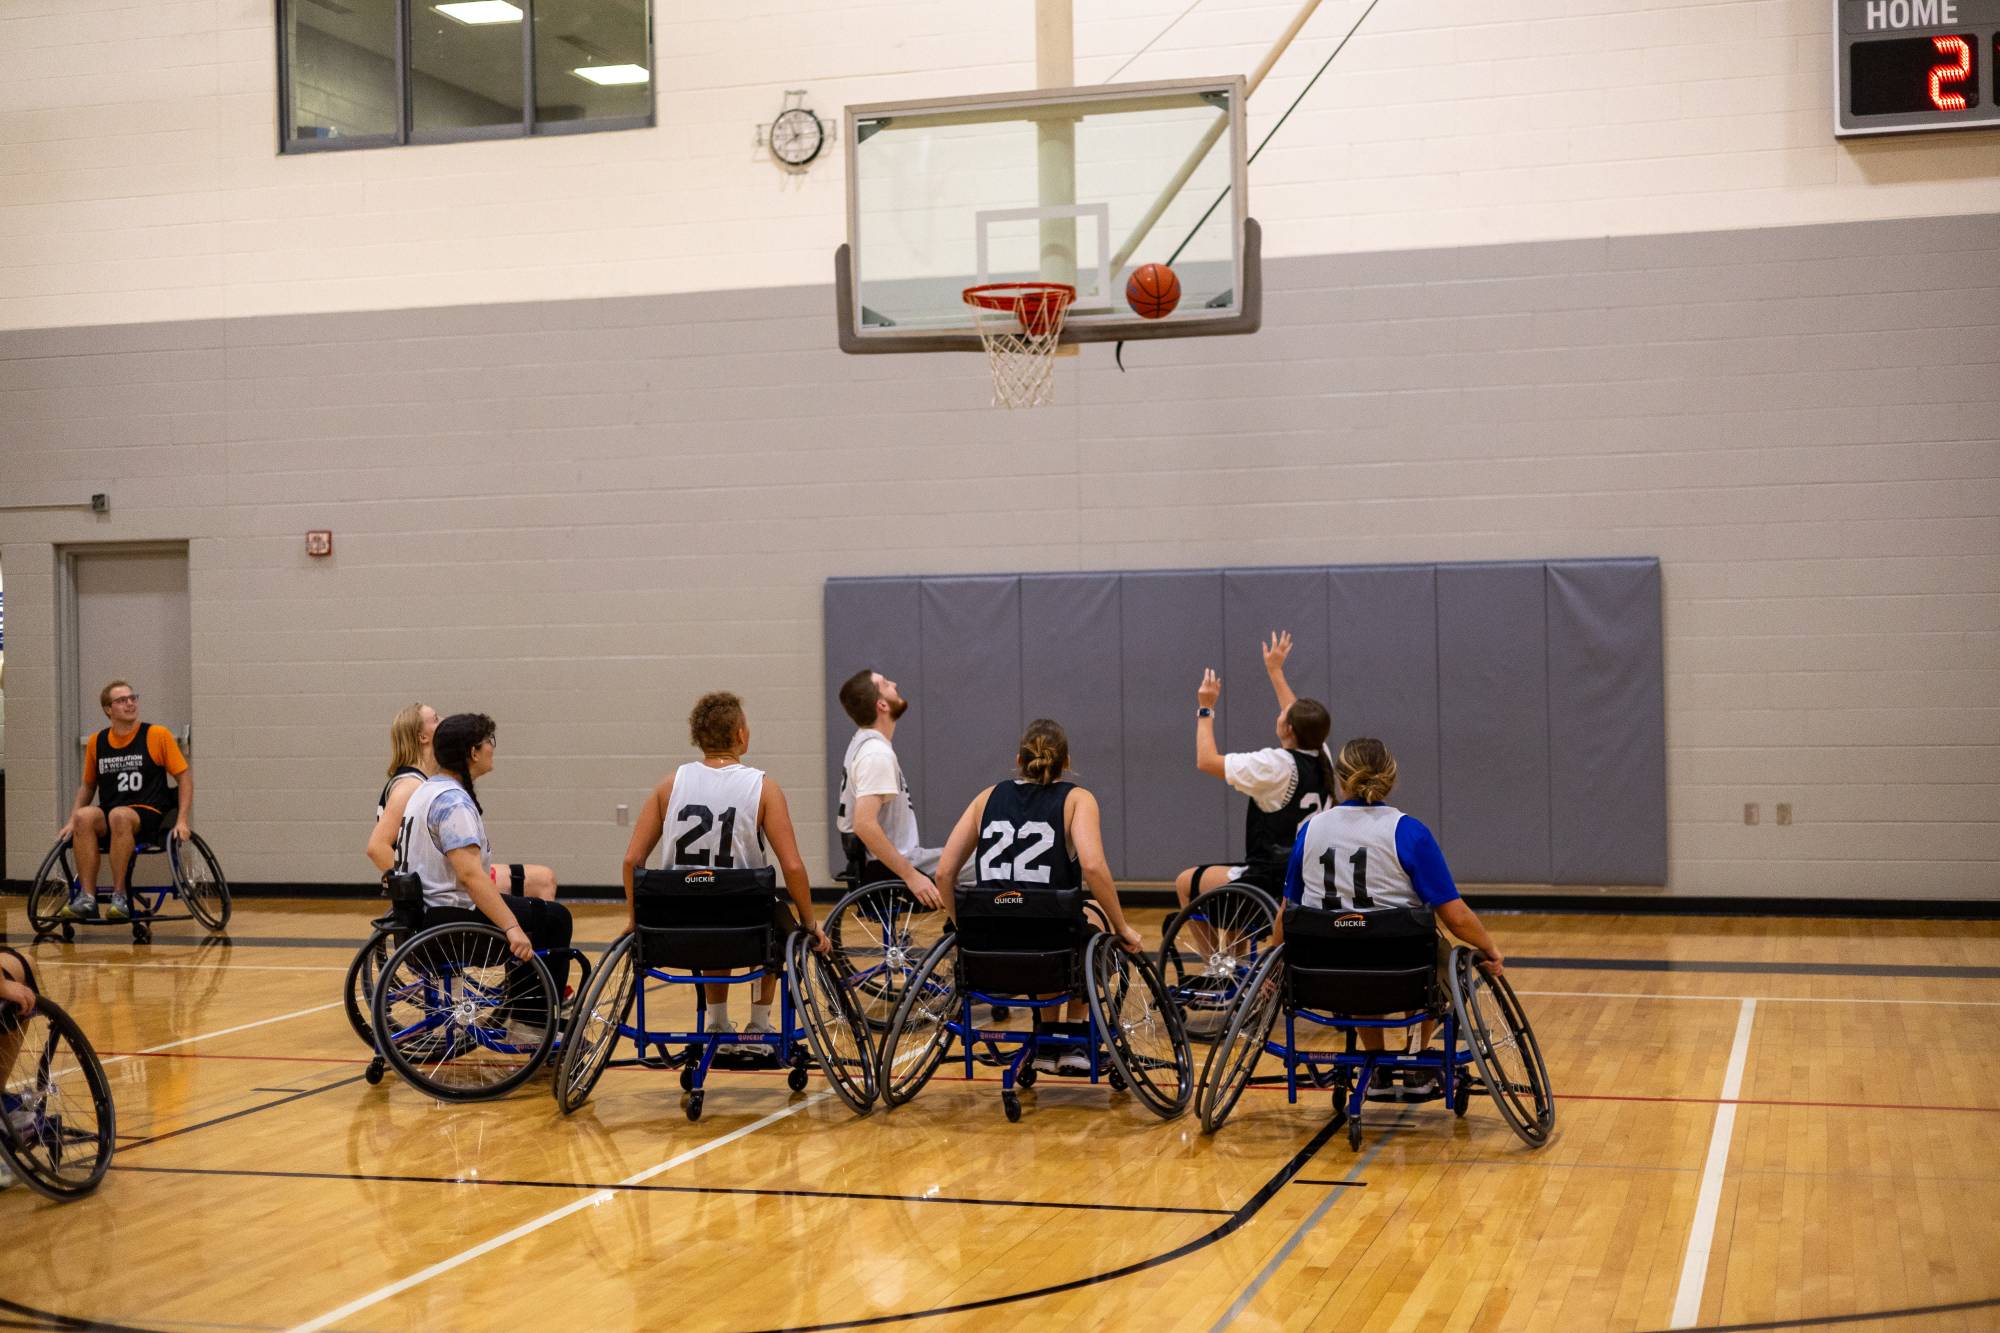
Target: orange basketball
1153	291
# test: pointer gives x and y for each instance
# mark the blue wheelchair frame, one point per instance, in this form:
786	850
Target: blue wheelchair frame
147	903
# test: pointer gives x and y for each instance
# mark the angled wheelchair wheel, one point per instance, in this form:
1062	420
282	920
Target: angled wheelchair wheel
835	1030
592	1033
1140	1026
881	935
198	880
1207	950
58	1127
1234	1057
1504	1047
457	1016
918	1036
48	892
362	974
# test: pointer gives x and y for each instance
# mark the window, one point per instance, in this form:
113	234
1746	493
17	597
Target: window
371	73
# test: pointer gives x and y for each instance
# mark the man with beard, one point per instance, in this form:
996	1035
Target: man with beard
877	823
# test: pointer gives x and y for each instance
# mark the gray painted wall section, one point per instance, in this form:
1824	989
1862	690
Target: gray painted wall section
579	515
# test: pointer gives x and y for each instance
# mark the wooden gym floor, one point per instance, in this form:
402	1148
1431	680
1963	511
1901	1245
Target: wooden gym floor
1762	1124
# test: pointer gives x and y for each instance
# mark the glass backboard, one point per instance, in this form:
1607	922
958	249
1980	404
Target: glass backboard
1075	185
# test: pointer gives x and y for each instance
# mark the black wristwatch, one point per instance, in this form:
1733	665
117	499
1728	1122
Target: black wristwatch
1204	711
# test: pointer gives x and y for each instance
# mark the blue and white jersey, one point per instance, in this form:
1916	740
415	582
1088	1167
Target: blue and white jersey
1356	857
441	818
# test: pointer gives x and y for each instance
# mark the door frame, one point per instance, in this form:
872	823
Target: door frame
69	704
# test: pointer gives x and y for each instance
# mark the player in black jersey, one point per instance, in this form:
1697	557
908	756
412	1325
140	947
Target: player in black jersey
1037	832
1286	783
126	768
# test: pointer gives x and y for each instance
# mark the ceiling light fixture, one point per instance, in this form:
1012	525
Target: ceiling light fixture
613	76
478	13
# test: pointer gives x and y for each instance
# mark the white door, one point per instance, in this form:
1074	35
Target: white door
131	618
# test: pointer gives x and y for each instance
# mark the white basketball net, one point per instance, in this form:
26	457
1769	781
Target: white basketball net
1020	340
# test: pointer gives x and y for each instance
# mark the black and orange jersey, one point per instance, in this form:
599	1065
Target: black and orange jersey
133	769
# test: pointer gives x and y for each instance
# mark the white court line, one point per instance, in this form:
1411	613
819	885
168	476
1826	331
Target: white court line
240	1027
1701	1235
1759	999
528	1228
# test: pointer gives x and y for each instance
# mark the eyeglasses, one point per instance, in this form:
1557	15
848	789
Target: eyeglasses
117	699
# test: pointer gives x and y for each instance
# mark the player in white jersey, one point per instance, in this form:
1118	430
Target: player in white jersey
1362	855
443	842
718	811
876	820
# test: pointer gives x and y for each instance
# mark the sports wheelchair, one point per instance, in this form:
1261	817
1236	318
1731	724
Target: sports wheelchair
1020	949
1209	948
450	1008
58	1127
694	925
1334	966
194	879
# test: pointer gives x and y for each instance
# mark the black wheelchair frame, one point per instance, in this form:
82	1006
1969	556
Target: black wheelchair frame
437	995
694	927
195	881
1036	951
44	1136
1481	1022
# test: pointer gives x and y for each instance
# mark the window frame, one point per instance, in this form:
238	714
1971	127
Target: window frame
406	132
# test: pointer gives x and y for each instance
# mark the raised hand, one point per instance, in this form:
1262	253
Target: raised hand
1277	650
1211	688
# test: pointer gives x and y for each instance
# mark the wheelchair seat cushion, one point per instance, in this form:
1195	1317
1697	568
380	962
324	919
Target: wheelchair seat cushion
693	917
1019	941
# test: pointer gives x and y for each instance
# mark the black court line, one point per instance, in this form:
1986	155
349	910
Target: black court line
1552	963
238	1115
1864	1317
1234	1223
592	1186
48	1320
1344	1184
285	1089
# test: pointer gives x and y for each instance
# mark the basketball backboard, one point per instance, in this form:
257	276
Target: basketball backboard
1074	185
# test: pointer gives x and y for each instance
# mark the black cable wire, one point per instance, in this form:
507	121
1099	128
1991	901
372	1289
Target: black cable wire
1118	354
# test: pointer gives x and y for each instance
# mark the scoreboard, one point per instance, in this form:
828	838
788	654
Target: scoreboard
1907	65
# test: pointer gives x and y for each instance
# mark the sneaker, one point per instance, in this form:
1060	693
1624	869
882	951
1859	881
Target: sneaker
759	1050
1423	1085
117	909
1382	1087
1074	1062
527	1036
1045	1061
6	1175
82	906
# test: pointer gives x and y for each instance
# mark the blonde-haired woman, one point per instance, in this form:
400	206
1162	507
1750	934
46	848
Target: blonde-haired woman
410	762
1035	833
1364	854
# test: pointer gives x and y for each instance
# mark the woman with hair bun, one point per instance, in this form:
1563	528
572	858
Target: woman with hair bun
1362	855
1037	832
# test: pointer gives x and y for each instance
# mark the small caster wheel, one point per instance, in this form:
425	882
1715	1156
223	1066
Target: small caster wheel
694	1105
687	1078
1001	1013
1461	1097
1116	1079
1011	1104
1354	1136
796	1080
68	933
1026	1078
374	1071
141	934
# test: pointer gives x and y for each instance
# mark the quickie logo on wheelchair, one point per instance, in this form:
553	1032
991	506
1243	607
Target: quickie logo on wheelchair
1008	898
1350	920
698	877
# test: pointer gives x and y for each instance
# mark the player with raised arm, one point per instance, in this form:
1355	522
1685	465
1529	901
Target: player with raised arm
876	819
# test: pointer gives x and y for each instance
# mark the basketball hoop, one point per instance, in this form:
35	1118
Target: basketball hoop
1020	324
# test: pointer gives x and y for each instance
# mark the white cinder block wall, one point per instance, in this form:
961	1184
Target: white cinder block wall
578	513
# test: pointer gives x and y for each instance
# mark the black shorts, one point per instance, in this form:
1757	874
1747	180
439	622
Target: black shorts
152	823
546	924
1266	875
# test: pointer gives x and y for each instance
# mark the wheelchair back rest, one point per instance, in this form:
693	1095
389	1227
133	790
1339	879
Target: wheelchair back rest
857	860
1018	941
1373	962
705	919
406	901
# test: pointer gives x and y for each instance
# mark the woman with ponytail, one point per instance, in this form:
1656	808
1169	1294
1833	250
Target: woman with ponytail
1362	855
1038	833
446	847
410	763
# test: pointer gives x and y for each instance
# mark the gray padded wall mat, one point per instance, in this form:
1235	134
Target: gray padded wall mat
1607	771
1524	700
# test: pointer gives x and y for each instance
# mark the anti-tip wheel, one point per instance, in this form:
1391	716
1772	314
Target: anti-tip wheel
374	1071
796	1080
1026	1078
